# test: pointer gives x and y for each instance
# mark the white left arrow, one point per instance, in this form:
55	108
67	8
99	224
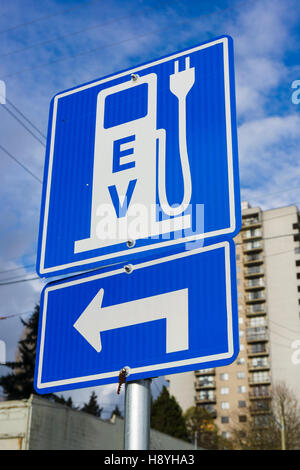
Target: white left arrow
173	306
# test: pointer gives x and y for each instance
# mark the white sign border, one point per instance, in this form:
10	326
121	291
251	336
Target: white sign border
157	367
111	256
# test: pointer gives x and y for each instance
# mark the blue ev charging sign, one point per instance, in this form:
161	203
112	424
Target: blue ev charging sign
142	160
166	315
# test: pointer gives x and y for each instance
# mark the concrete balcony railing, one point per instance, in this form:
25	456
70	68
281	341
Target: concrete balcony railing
256	309
205	384
251	247
259	380
254	271
209	398
253	284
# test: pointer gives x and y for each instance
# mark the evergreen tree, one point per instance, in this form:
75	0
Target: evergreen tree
166	416
92	406
117	412
19	383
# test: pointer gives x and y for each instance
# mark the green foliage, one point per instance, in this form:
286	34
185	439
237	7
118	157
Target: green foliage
92	406
201	428
117	412
19	383
166	416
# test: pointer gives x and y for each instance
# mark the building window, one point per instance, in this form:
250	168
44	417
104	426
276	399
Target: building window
240	360
224	419
242	389
242	347
242	418
241	375
242	404
225	434
224	391
224	376
224	405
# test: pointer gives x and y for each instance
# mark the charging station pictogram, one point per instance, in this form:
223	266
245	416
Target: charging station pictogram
141	161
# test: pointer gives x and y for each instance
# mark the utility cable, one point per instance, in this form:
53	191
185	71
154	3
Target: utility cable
59	38
25	118
16	269
43	18
21	280
21	164
133	38
23	125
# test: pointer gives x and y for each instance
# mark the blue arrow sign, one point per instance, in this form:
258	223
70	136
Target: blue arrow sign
167	315
141	161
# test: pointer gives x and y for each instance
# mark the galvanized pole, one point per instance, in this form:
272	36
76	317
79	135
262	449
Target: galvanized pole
137	415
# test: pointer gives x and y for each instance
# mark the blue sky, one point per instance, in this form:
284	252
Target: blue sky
48	46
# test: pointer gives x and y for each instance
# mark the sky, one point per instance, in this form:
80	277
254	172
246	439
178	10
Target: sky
47	46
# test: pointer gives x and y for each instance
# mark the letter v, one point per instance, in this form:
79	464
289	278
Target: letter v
121	210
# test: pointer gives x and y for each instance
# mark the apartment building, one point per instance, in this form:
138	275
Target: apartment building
268	283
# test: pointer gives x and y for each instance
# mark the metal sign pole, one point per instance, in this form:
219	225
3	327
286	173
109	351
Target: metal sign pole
137	415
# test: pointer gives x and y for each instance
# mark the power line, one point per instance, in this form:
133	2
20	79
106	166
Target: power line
25	118
20	280
133	38
43	18
16	269
277	192
21	164
268	238
98	25
23	125
6	317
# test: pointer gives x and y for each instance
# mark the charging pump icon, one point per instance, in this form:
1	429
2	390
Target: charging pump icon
125	160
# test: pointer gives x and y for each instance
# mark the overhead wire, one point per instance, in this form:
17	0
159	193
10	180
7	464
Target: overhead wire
43	18
23	125
96	26
25	117
9	154
133	38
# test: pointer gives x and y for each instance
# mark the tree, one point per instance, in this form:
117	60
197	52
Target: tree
18	384
275	426
201	427
92	406
116	412
166	416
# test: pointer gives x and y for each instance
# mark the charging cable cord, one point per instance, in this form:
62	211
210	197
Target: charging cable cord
180	85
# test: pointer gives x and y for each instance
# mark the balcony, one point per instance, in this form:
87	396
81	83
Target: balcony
254	351
252	222
254	284
206	398
256	334
255	296
252	247
254	271
211	371
253	259
208	407
262	379
260	408
252	234
258	394
263	365
256	309
205	384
